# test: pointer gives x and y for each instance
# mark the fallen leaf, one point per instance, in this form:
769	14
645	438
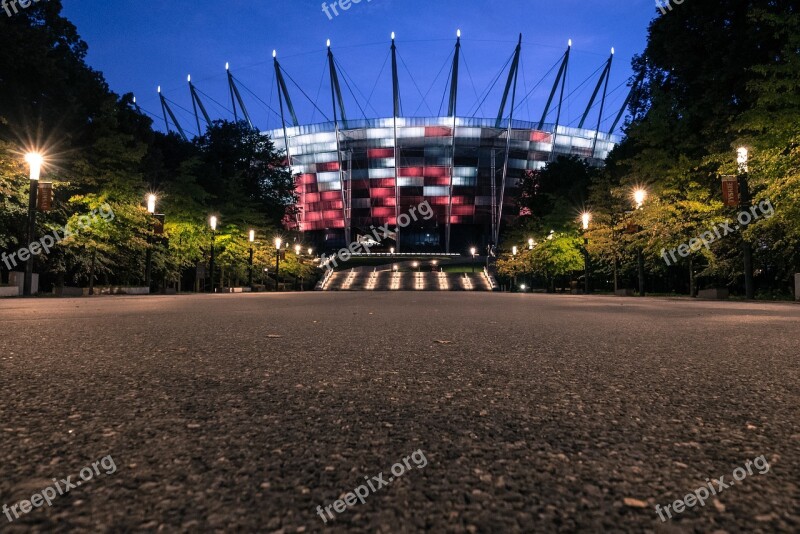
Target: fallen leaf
634	503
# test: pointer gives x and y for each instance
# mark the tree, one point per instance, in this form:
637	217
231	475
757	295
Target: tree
246	177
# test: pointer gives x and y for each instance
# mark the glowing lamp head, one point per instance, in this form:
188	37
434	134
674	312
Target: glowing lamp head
213	222
159	89
473	251
569	43
252	236
34	161
391	250
227	66
522	287
392	36
297	249
458	34
742	156
274	53
585	218
639	197
328	43
514	251
415	264
310	251
612	50
531	242
278	242
189	78
151	203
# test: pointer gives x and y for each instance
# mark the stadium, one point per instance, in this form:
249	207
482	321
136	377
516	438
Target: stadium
354	175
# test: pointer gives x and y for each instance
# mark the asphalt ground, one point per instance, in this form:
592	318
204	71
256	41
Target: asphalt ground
504	413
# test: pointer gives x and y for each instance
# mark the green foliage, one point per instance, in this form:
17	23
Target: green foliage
100	151
718	75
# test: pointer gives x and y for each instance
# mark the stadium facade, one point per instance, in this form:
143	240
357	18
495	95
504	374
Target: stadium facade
354	175
373	176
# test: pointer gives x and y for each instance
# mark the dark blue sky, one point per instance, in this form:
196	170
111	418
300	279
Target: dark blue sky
139	45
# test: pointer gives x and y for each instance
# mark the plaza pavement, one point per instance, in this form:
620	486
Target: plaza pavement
535	413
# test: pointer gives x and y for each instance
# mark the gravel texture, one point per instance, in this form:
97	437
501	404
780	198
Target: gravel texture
534	413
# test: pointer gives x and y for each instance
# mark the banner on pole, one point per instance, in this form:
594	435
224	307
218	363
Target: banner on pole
730	191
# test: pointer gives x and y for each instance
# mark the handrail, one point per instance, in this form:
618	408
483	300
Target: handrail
490	279
325	279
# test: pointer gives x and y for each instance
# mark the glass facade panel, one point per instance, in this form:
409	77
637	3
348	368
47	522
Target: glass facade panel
426	166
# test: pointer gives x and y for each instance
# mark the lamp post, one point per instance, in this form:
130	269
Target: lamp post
473	251
742	158
250	264
585	219
278	242
35	161
514	251
298	250
212	221
148	270
639	196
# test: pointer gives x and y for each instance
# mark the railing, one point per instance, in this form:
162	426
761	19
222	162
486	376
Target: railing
325	279
490	279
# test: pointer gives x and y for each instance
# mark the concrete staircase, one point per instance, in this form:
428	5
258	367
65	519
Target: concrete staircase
406	281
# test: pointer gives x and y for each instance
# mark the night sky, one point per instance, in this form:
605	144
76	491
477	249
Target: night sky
139	45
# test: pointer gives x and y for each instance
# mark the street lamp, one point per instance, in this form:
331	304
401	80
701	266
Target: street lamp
391	250
148	270
250	265
742	159
586	217
278	242
35	161
473	251
298	250
514	255
639	196
531	243
310	251
415	265
212	221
